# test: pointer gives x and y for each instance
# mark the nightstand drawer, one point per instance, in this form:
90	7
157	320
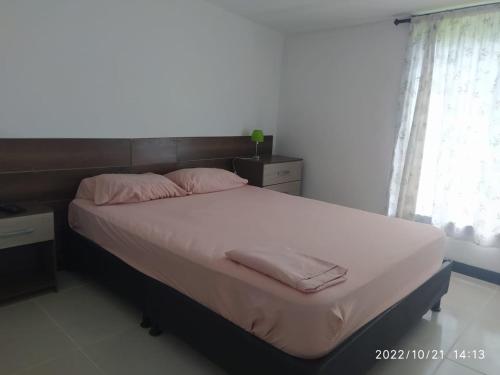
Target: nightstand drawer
279	173
292	188
24	230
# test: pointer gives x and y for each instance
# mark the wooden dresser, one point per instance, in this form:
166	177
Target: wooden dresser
279	173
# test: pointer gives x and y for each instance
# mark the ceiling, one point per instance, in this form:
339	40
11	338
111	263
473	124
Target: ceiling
312	15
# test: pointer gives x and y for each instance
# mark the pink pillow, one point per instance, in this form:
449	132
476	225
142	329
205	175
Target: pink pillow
86	190
206	180
128	188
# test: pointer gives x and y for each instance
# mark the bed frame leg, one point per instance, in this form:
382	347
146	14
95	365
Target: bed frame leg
437	306
146	322
155	331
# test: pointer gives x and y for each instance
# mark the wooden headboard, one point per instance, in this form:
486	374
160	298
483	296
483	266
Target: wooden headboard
48	171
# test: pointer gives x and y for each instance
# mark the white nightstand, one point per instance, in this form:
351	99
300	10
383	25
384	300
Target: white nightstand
279	173
27	253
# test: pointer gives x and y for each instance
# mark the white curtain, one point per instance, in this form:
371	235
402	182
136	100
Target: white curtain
447	158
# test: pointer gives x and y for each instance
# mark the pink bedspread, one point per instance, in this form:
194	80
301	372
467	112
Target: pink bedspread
182	243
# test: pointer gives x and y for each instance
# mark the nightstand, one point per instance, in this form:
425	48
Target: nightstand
27	253
279	173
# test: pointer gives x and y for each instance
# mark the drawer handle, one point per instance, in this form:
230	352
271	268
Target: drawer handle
284	173
15	233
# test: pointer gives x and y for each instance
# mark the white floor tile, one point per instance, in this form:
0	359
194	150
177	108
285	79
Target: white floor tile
452	368
89	313
406	367
491	311
135	352
473	280
484	334
75	363
28	337
467	297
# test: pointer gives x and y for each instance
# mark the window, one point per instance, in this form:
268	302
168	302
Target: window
447	160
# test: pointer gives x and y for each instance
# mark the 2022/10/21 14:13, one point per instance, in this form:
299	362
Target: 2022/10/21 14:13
428	354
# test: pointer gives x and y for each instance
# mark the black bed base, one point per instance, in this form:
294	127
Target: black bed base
234	349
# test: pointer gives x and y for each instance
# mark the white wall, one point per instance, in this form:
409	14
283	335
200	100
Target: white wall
339	110
134	68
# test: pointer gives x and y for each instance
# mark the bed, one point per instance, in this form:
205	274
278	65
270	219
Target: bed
48	171
180	243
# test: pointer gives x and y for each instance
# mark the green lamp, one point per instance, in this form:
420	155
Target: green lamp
257	137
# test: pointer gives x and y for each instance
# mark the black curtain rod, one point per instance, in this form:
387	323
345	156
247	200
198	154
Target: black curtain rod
397	21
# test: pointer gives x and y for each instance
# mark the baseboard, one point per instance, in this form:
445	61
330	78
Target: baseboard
478	273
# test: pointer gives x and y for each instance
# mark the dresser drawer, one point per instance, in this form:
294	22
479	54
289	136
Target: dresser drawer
279	173
292	188
24	230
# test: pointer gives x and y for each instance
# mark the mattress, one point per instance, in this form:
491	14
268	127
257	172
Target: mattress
181	242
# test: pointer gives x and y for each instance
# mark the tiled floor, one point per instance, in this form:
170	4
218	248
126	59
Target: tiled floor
84	330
